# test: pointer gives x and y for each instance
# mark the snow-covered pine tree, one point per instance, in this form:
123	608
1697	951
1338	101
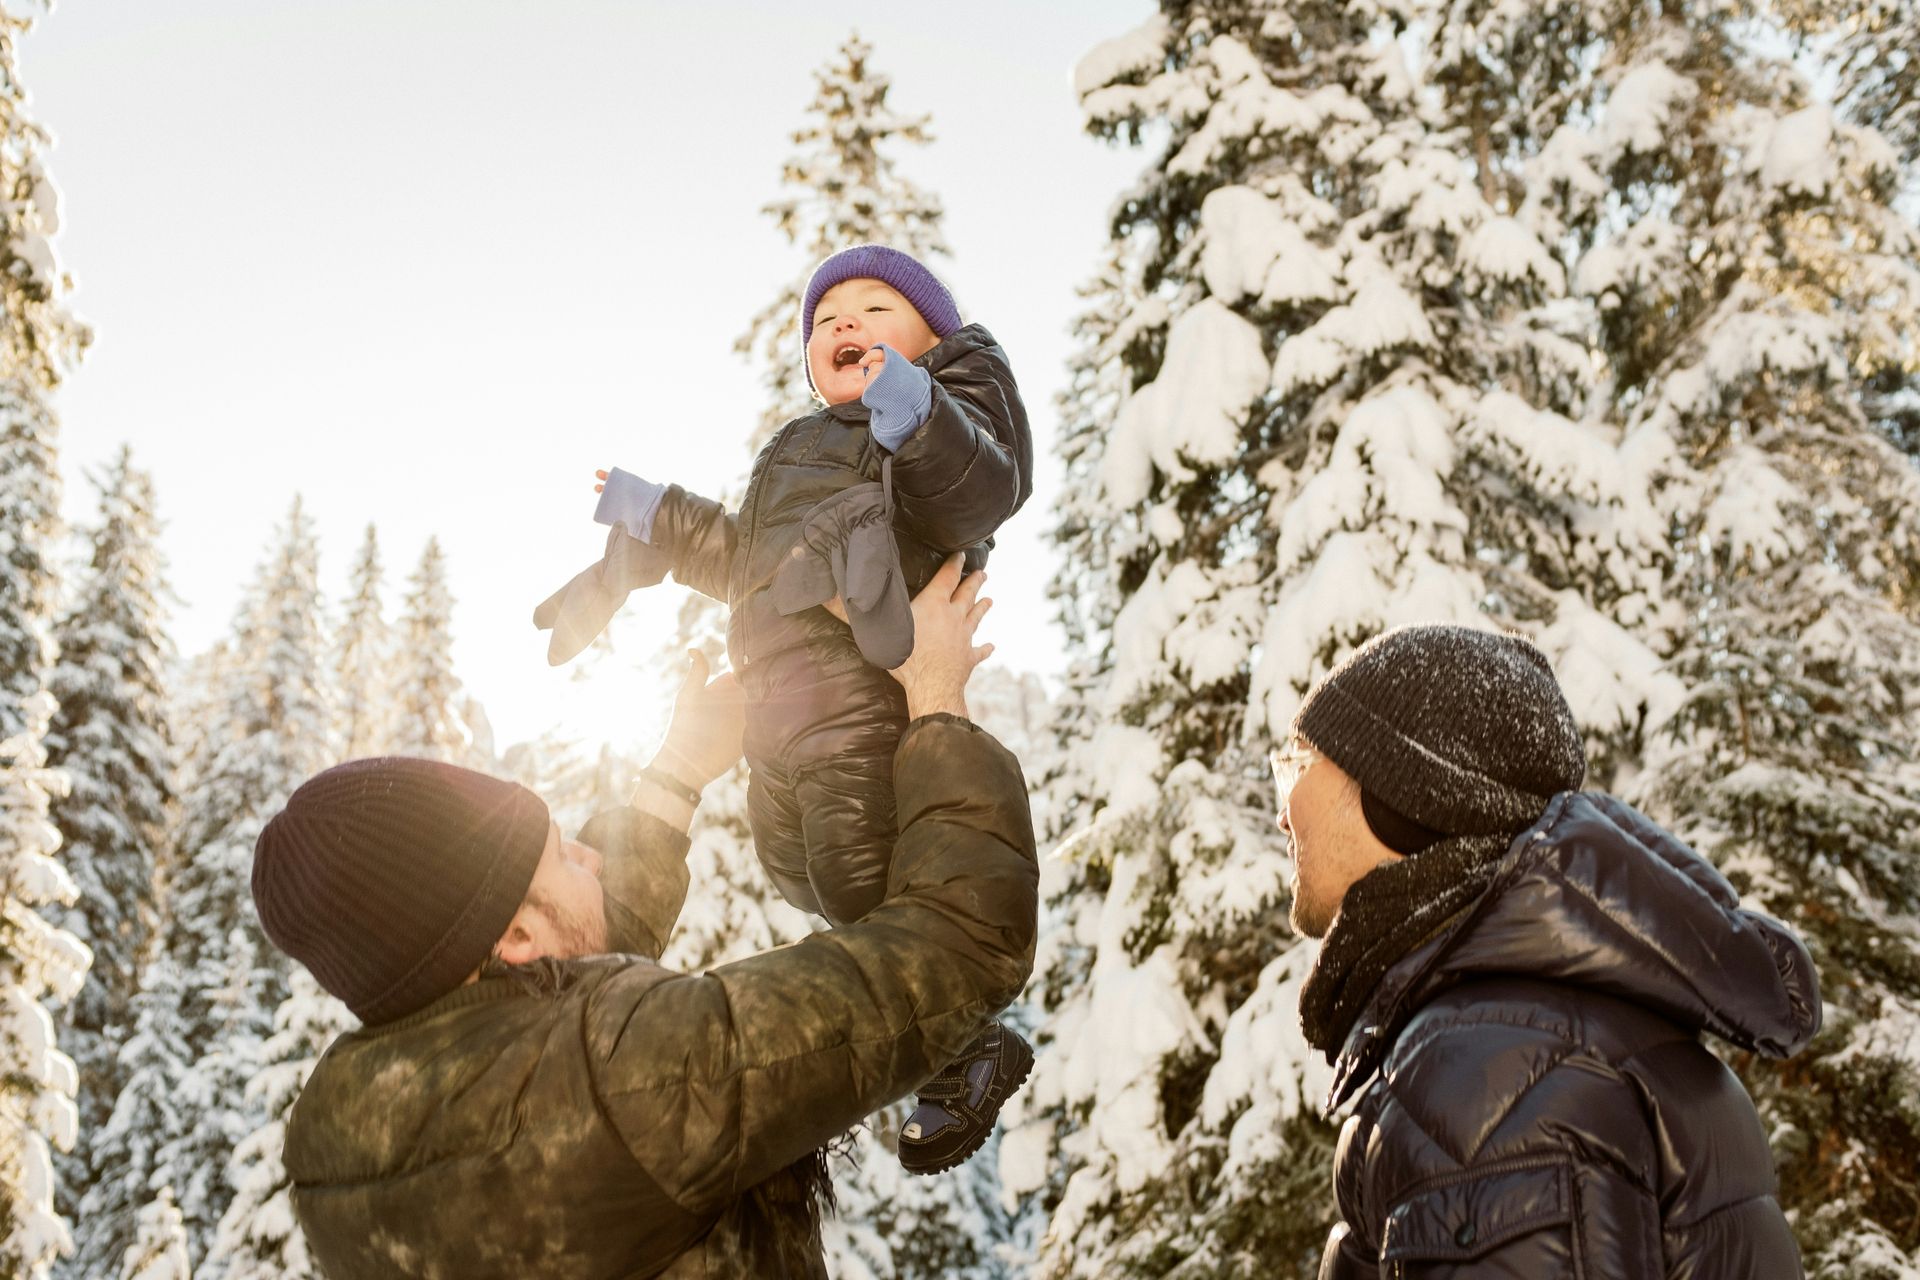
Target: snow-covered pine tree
42	339
842	190
1330	384
1071	890
111	738
258	1237
427	695
126	1151
268	734
1867	46
1870	50
29	529
39	341
159	1248
363	653
38	963
1759	297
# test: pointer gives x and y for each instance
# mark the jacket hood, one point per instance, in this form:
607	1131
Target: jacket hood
971	340
1597	895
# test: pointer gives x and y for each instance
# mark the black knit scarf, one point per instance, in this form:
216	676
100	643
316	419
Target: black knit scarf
1386	914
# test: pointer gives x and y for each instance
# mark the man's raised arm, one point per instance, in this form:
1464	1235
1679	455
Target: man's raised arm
758	1062
644	845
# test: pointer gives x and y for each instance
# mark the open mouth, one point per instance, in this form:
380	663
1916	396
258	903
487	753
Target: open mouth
848	355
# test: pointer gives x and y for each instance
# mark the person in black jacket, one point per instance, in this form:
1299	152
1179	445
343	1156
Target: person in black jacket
921	450
1512	982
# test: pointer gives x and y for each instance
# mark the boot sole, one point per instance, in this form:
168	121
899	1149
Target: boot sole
1019	1066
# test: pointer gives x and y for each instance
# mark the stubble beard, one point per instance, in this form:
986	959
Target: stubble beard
1309	919
574	935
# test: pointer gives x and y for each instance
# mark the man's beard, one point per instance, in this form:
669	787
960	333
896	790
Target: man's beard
1307	919
574	935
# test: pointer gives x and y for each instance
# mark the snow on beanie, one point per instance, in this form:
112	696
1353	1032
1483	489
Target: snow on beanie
392	878
889	266
1449	731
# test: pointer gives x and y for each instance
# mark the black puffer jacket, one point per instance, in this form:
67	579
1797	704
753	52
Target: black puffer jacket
822	722
1543	1106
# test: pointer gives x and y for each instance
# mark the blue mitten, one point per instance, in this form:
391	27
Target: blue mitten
627	499
898	399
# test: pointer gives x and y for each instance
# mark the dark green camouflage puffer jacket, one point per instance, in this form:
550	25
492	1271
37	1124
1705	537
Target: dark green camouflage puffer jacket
607	1117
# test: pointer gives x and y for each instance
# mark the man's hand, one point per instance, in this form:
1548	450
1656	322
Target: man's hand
709	720
945	616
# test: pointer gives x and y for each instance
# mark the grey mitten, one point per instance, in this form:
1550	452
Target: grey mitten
581	610
847	548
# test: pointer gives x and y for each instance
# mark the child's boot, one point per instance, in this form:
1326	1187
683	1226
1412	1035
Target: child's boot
957	1108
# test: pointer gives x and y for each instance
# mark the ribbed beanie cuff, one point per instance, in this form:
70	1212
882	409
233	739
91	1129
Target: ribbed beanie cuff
391	879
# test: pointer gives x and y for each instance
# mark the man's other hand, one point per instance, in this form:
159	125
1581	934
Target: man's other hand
709	720
945	616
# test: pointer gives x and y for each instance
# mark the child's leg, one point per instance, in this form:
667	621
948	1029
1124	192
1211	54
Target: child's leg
848	826
822	726
778	837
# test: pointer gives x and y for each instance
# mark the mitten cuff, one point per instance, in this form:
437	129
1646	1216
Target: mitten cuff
628	500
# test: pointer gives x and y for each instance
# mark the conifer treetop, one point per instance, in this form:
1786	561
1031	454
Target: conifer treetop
842	189
39	335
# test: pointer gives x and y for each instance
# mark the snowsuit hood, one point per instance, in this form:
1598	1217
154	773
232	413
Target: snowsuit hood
1531	1096
1598	896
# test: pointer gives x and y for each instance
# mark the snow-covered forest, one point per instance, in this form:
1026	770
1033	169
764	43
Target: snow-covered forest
1592	321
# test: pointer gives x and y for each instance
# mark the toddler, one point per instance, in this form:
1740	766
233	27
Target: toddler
920	449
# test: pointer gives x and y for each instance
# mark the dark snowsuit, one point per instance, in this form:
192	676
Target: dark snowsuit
1543	1105
617	1119
821	720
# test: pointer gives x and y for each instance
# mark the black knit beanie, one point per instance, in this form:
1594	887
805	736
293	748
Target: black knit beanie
1449	731
392	878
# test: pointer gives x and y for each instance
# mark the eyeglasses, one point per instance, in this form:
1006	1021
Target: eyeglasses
1289	762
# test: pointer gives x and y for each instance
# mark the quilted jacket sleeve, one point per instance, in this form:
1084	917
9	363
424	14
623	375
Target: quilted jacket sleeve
718	1081
970	465
643	878
699	535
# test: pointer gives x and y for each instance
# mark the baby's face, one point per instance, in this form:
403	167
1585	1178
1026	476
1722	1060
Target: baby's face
854	316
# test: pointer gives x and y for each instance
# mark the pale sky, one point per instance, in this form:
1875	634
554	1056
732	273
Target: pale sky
430	263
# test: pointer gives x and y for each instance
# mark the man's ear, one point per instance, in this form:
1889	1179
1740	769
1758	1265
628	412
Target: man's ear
517	945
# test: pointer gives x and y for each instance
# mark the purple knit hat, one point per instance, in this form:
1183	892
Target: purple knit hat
889	266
